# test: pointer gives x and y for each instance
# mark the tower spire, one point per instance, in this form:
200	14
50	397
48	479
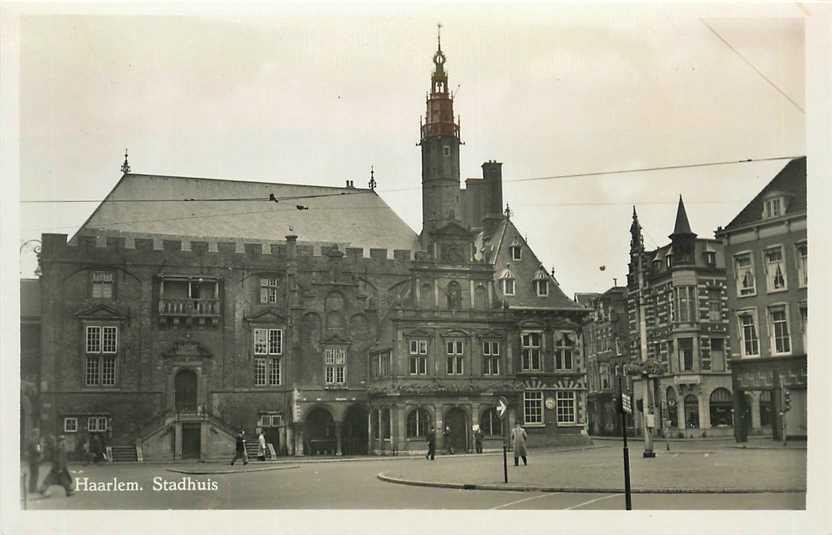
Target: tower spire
439	36
125	167
372	178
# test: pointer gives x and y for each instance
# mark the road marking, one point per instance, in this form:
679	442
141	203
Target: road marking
593	501
525	500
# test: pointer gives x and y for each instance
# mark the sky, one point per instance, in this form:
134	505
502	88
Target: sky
292	94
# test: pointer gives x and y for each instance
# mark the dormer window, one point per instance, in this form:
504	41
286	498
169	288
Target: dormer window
507	280
773	207
668	260
542	287
516	252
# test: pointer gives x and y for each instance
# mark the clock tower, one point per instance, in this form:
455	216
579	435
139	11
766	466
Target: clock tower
440	142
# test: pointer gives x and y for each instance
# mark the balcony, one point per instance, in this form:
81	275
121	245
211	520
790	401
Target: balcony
189	300
185	307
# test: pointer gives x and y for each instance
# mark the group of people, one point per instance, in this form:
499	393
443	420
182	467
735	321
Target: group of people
54	450
240	447
94	450
518	443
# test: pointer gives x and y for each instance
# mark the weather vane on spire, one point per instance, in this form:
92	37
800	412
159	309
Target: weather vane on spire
125	167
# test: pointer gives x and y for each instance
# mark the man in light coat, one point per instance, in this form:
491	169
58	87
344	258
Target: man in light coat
518	443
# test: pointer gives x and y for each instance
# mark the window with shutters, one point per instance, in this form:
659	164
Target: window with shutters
775	267
744	274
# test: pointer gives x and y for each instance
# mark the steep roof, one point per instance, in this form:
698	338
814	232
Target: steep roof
495	249
682	225
29	298
790	180
586	299
156	204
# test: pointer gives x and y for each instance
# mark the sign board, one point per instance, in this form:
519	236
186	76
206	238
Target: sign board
550	403
626	404
651	420
502	407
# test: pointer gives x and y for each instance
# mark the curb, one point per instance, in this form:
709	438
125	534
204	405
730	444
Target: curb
581	490
229	471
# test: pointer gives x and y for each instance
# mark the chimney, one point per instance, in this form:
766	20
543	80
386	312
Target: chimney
492	195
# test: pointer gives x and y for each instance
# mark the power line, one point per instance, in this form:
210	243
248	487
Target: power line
758	71
271	198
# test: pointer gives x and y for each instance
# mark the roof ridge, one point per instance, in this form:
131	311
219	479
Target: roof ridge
244	181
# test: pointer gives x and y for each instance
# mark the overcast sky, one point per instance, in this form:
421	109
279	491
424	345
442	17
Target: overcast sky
316	98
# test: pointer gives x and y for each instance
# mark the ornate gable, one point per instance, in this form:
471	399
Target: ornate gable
100	312
269	315
187	349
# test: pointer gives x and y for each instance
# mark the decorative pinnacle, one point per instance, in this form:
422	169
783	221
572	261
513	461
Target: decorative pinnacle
439	36
125	167
372	178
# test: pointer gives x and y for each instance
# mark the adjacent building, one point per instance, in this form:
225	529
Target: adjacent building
606	341
183	310
767	251
677	302
30	357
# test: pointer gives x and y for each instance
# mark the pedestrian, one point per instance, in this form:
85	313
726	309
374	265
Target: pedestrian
477	439
448	440
240	448
86	450
431	444
518	443
97	448
59	472
261	446
35	455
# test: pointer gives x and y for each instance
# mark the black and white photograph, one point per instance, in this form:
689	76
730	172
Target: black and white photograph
399	267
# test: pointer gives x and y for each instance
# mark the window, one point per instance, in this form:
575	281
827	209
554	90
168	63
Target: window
564	350
260	372
686	354
710	258
773	207
804	323
749	340
380	364
508	286
268	341
533	408
664	351
267	372
418	357
335	366
418	423
101	346
705	348
802	265
455	357
102	284
668	259
490	423
565	407
446	150
530	351
775	268
714	305
268	290
97	424
779	330
744	273
70	425
490	358
542	287
685	304
516	252
721	408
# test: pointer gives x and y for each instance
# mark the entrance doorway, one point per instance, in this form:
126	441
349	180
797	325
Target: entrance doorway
354	432
191	440
185	388
455	418
319	433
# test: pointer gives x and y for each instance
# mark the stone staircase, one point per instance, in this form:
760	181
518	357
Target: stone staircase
124	454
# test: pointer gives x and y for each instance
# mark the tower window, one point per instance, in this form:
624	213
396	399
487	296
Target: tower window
446	150
516	253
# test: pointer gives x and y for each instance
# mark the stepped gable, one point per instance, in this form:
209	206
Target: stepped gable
330	215
495	249
791	180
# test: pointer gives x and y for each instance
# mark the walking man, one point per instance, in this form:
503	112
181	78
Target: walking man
240	448
477	439
448	440
431	444
35	455
59	473
261	446
518	443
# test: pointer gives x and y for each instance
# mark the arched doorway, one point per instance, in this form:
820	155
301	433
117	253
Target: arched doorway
691	412
721	408
319	433
354	432
185	387
456	419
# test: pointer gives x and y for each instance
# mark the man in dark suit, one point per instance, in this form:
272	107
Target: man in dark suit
59	473
431	444
35	454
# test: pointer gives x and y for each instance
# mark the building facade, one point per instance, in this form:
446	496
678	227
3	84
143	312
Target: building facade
30	357
766	247
321	318
677	301
606	341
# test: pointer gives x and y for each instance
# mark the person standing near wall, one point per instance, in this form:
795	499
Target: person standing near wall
35	455
240	448
59	473
431	444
